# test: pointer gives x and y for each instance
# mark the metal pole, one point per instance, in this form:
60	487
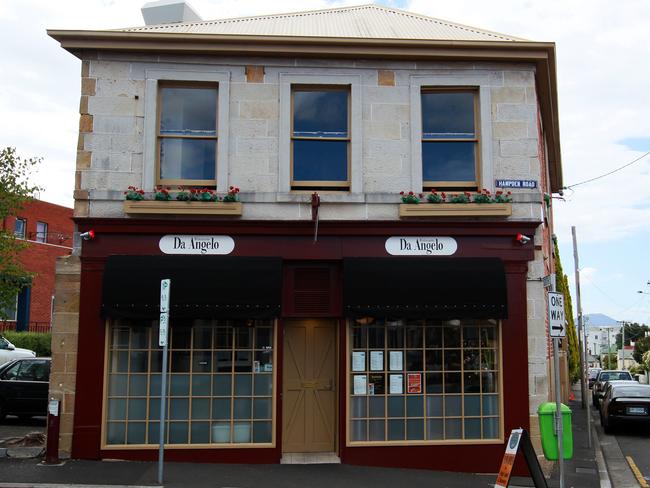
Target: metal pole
163	398
582	356
582	342
558	409
623	345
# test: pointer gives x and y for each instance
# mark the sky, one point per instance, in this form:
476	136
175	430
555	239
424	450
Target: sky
603	56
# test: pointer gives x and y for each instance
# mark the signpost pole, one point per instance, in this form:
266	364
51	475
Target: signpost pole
165	286
558	409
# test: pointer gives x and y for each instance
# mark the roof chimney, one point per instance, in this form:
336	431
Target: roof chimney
168	12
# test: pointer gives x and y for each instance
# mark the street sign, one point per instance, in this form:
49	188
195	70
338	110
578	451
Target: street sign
164	327
556	317
164	295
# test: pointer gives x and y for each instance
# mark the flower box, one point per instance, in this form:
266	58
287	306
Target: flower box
455	210
182	207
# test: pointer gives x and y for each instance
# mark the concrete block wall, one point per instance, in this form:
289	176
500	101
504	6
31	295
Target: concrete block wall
112	120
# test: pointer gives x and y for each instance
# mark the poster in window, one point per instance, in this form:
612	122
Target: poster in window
414	382
360	382
379	384
396	359
376	360
358	361
396	384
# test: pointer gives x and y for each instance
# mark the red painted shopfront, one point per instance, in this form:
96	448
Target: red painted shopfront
433	424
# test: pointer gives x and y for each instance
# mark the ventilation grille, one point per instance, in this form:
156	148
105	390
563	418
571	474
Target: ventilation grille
311	292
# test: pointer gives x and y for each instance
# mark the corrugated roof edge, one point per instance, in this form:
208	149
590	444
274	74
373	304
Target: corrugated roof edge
406	13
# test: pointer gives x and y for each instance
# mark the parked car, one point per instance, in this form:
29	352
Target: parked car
603	377
8	351
624	402
592	374
24	387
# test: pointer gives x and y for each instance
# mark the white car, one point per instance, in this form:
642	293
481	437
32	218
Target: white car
9	352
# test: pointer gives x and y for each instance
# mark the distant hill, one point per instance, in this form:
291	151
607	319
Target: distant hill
598	320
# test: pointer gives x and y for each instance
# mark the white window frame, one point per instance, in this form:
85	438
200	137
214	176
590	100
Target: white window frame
477	81
356	128
22	235
152	80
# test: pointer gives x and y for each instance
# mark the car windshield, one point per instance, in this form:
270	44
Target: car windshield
593	373
615	375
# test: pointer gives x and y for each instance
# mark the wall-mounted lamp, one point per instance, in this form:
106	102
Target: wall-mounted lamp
87	236
522	239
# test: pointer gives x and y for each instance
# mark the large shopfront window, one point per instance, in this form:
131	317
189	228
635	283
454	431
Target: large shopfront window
424	380
220	383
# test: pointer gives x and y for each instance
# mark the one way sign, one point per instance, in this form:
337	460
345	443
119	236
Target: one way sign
556	318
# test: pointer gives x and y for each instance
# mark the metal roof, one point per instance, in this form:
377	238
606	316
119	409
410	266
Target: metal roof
364	21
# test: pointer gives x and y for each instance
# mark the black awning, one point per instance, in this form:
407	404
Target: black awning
201	286
443	288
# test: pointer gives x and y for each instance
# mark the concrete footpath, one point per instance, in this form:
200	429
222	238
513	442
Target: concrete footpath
583	471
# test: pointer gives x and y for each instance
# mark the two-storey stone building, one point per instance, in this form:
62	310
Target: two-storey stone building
318	313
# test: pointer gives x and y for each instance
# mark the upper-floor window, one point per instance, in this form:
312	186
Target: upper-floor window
41	232
9	313
187	134
20	228
450	139
320	137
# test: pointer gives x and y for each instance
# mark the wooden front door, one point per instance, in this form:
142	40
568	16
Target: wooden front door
309	386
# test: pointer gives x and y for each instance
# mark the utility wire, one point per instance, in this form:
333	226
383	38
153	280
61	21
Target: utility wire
569	187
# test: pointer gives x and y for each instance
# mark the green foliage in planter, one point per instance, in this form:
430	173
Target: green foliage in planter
39	342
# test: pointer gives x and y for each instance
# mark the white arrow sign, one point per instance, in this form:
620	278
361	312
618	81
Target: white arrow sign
556	317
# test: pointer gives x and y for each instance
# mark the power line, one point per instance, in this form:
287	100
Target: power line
569	187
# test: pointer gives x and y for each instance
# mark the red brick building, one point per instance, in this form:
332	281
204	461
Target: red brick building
48	228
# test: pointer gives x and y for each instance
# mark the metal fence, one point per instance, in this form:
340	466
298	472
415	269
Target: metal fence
33	326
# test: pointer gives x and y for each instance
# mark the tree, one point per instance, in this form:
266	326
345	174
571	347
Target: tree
633	332
15	191
610	361
562	285
640	348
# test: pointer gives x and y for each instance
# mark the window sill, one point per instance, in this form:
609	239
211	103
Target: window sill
182	208
455	210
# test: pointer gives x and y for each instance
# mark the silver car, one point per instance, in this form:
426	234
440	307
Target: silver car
9	352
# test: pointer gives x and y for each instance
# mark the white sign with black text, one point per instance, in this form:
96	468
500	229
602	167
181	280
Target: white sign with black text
421	246
556	317
196	244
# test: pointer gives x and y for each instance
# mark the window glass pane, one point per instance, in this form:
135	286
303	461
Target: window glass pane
41	231
120	338
452	406
180	362
448	161
202	361
243	337
179	385
415	406
222	385
154	432
359	430
433	360
200	433
155	384
489	382
471	383
490	405
447	115
221	408
472	405
414	360
201	384
415	429
491	428
262	408
139	338
320	160
395	337
116	409
117	384
451	336
136	433
242	408
263	384
434	429
242	432
433	337
376	430
188	111
453	429
223	361
200	408
414	337
243	384
221	432
396	430
223	338
376	406
396	406
19	229
358	407
472	428
116	432
434	406
243	362
202	338
188	159
178	432
263	338
489	359
359	337
375	337
320	113
137	409
262	432
139	361
154	408
179	409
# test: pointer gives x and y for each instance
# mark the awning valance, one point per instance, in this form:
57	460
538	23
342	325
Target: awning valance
443	288
201	286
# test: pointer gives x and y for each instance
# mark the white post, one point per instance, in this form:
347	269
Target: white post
163	336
